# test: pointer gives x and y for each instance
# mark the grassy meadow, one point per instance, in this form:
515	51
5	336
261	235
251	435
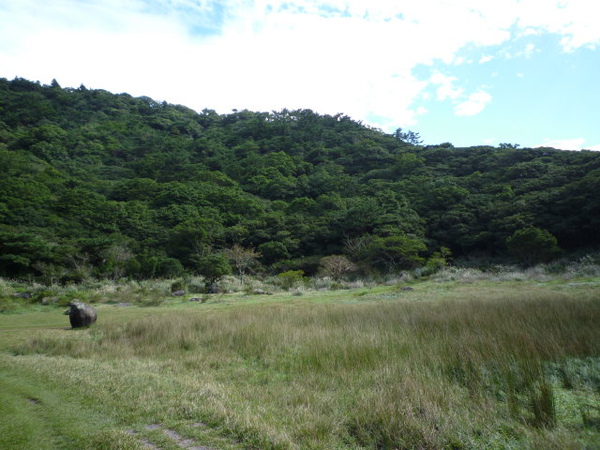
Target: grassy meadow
457	361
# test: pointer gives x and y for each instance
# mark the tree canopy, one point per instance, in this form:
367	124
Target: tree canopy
100	184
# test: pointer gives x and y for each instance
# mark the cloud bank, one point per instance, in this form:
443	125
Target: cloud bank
358	57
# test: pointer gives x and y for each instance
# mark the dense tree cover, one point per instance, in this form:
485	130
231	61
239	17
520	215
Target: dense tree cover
98	184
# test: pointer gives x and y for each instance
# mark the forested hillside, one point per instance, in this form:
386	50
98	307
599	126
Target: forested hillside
98	184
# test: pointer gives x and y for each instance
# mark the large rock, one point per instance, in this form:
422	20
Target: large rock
81	314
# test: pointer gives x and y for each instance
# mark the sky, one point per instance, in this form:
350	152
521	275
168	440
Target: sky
468	72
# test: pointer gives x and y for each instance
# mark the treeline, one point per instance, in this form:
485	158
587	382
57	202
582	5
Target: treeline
98	184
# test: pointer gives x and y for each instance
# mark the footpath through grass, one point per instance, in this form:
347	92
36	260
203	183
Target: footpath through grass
445	365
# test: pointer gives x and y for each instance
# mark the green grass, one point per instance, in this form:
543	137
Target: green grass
477	364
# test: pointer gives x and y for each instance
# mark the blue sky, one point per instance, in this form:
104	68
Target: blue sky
469	72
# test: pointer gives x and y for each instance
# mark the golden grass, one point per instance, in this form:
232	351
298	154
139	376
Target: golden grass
443	366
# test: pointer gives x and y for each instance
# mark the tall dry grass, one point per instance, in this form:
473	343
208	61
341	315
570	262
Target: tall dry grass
483	371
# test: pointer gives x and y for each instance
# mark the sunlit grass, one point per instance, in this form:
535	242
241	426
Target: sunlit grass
443	366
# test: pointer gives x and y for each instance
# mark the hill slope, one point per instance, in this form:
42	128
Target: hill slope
111	185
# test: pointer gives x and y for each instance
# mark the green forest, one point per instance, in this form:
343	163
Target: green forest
103	185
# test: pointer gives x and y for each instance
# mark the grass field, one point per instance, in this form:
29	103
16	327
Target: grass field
449	364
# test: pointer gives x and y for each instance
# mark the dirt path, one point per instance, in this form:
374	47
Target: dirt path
180	440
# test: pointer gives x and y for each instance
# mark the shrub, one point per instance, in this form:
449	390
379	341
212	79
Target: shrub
437	261
159	267
9	304
337	267
290	279
243	259
213	267
178	285
533	245
309	265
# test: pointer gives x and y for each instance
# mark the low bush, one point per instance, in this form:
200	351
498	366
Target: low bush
290	279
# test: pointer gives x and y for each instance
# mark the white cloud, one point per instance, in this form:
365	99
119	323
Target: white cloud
565	144
473	105
446	88
485	58
526	52
569	144
529	50
576	20
350	56
464	105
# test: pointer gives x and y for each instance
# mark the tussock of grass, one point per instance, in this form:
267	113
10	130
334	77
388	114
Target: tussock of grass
486	367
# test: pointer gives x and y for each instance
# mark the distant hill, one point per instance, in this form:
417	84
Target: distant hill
100	184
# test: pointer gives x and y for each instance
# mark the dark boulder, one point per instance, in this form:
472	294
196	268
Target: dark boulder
81	314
